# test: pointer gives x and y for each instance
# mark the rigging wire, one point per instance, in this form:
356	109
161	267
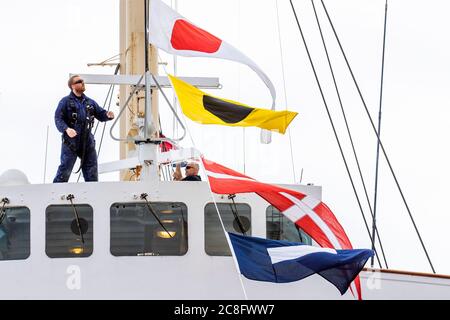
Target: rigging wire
110	60
243	146
239	86
46	154
350	137
5	201
109	96
332	123
104	124
174	5
374	222
285	91
378	137
109	107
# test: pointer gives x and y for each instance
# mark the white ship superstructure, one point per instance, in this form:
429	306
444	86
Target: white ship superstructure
154	238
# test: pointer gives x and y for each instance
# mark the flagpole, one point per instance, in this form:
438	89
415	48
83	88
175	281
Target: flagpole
233	255
148	102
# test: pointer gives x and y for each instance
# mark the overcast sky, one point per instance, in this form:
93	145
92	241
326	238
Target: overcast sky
41	45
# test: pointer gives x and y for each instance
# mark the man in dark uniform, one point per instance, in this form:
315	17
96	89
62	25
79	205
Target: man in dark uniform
74	118
191	173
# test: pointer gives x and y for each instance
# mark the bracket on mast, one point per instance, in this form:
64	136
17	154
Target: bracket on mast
148	155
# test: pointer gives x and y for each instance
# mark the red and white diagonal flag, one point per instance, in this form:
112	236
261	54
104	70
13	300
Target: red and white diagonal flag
308	213
174	34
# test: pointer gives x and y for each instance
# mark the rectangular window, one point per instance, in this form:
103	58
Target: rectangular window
278	227
65	235
14	233
235	219
136	232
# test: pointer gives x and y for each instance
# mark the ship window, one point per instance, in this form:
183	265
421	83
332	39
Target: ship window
215	241
65	235
136	232
279	227
14	233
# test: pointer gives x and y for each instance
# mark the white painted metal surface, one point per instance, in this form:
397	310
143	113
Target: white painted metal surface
200	82
195	275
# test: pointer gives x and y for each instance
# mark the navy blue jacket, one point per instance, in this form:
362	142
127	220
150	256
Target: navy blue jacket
72	104
192	178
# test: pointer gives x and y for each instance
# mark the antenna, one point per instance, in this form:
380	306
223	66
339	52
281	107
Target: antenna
45	157
301	176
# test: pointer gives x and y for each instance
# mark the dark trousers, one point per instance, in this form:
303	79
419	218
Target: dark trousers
68	158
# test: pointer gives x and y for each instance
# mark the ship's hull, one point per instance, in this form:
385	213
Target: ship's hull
193	275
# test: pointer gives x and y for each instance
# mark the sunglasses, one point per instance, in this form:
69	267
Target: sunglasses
78	81
188	167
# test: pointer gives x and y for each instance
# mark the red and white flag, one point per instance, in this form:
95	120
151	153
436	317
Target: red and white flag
308	213
174	34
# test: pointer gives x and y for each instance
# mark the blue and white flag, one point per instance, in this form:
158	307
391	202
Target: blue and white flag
283	261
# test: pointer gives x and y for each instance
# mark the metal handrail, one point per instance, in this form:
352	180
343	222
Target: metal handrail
171	140
174	113
120	113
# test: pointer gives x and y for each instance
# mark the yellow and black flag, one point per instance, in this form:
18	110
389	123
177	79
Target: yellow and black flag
206	109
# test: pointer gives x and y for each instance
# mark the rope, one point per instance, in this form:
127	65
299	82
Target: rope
332	123
109	107
349	135
379	140
285	92
109	95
